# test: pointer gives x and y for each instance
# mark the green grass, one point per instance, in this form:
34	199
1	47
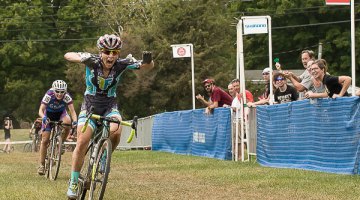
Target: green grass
159	175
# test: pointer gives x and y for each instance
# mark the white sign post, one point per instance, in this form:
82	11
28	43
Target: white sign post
185	51
250	25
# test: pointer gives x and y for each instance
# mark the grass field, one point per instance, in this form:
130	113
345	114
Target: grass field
158	175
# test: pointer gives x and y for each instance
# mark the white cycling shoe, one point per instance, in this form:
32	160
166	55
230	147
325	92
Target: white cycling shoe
72	191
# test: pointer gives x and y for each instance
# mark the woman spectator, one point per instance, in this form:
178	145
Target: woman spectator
335	86
7	126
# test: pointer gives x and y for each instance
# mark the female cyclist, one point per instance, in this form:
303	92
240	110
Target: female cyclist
103	73
53	108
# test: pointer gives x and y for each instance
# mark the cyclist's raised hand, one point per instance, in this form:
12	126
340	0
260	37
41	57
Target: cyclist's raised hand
147	61
147	57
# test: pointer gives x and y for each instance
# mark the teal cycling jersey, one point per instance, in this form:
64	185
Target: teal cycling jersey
97	83
100	93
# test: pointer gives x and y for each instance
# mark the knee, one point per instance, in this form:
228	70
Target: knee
45	141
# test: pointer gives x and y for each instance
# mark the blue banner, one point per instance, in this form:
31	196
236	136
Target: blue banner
322	135
191	132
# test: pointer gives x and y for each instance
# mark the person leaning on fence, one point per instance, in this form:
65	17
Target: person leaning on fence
231	90
284	92
336	86
219	98
202	99
303	82
264	98
7	126
236	85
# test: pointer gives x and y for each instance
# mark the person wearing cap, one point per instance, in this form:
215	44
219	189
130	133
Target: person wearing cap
218	96
284	92
264	98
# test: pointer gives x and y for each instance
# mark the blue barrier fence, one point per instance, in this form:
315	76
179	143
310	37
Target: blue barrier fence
191	132
323	136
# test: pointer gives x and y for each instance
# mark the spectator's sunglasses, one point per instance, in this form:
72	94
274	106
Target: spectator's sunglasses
279	79
208	85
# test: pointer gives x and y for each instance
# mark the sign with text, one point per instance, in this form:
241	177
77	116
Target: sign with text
181	51
337	2
255	25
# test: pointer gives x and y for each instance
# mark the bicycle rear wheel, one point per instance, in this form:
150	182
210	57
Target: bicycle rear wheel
55	158
27	147
36	143
101	170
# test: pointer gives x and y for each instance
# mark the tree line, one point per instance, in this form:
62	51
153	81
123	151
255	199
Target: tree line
34	36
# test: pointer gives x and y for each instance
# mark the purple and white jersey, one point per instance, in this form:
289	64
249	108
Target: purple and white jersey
54	105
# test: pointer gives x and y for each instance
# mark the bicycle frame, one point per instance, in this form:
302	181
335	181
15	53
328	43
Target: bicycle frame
96	150
52	164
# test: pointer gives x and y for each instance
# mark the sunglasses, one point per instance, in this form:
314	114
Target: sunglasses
59	91
279	79
206	86
113	52
265	73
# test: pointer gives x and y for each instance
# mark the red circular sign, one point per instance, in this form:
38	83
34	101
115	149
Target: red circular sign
181	51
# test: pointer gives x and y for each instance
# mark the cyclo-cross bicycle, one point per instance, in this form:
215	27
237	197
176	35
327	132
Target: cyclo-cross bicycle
34	146
53	153
96	167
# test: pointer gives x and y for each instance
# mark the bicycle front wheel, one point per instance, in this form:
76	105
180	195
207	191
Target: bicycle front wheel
101	170
85	173
55	158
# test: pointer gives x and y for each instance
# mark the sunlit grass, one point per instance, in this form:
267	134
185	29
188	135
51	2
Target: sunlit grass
159	175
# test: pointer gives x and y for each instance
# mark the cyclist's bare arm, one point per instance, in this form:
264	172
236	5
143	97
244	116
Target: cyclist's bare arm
42	110
75	56
72	112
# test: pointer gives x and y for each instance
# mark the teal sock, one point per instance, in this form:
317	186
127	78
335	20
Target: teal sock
74	176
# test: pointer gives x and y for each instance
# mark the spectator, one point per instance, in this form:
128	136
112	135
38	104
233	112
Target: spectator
264	98
357	93
336	86
219	98
284	92
236	86
7	126
236	105
304	82
318	86
203	100
35	128
231	90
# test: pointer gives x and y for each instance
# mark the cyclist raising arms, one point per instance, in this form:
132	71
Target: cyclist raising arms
53	107
103	73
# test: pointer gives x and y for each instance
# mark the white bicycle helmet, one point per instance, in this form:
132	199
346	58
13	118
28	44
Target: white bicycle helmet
109	42
59	85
